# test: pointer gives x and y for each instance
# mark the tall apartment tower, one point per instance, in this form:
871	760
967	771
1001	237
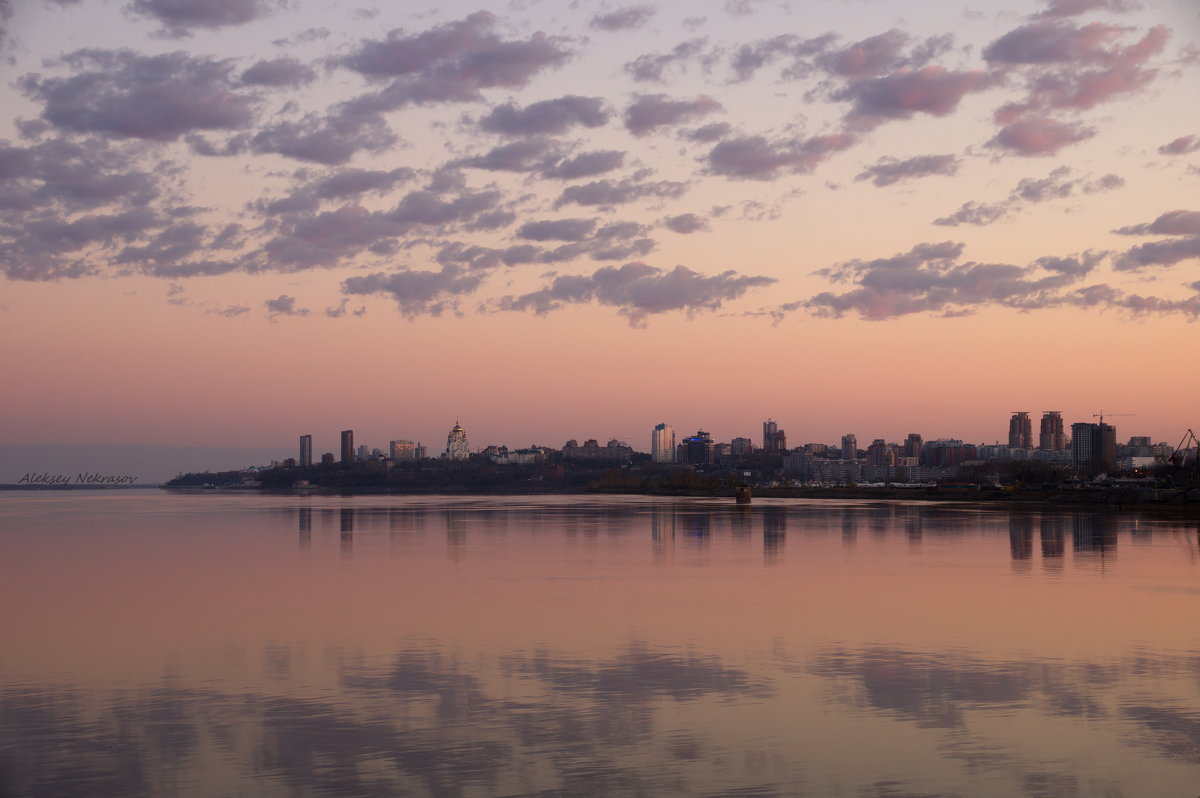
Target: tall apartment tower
347	447
849	447
662	444
1020	431
770	430
305	451
1051	436
1094	447
912	445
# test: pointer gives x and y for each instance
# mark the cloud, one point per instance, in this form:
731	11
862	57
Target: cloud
1159	253
179	17
1038	136
687	223
326	141
279	72
757	158
706	134
284	305
933	278
650	67
1072	8
586	164
1057	185
619	192
627	18
548	117
649	112
638	291
416	292
1181	146
557	230
888	170
1171	223
1071	67
753	56
525	155
123	93
931	90
449	63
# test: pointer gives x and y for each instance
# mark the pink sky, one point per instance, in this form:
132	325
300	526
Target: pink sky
229	224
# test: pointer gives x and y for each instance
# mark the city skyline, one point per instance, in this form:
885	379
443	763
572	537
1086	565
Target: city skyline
223	222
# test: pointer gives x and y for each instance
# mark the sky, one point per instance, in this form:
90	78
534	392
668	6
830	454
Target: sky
227	223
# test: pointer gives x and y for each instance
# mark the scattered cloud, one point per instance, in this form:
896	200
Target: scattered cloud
619	192
627	18
418	293
1181	146
586	164
279	72
284	305
548	117
638	290
1038	136
179	17
887	170
1171	223
652	67
648	112
933	278
687	223
1072	8
759	158
1057	185
159	97
557	230
931	90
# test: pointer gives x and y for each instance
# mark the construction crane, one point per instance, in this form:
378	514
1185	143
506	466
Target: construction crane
1100	415
1189	438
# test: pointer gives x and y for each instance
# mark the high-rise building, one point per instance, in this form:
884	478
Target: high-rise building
770	428
1093	447
741	447
912	445
1020	431
1051	436
305	451
662	444
880	454
457	447
700	448
401	450
849	447
347	447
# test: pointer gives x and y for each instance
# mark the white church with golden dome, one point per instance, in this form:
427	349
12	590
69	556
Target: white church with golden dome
457	447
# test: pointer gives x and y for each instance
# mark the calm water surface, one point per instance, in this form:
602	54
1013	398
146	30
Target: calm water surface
158	645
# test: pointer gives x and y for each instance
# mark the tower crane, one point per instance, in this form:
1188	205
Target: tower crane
1100	415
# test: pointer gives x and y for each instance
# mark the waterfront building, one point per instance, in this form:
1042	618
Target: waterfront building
912	445
700	448
401	450
770	428
741	447
662	444
347	447
849	447
1051	436
1093	447
457	447
305	451
1020	431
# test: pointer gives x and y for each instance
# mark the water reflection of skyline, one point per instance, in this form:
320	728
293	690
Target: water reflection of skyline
530	647
1093	540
